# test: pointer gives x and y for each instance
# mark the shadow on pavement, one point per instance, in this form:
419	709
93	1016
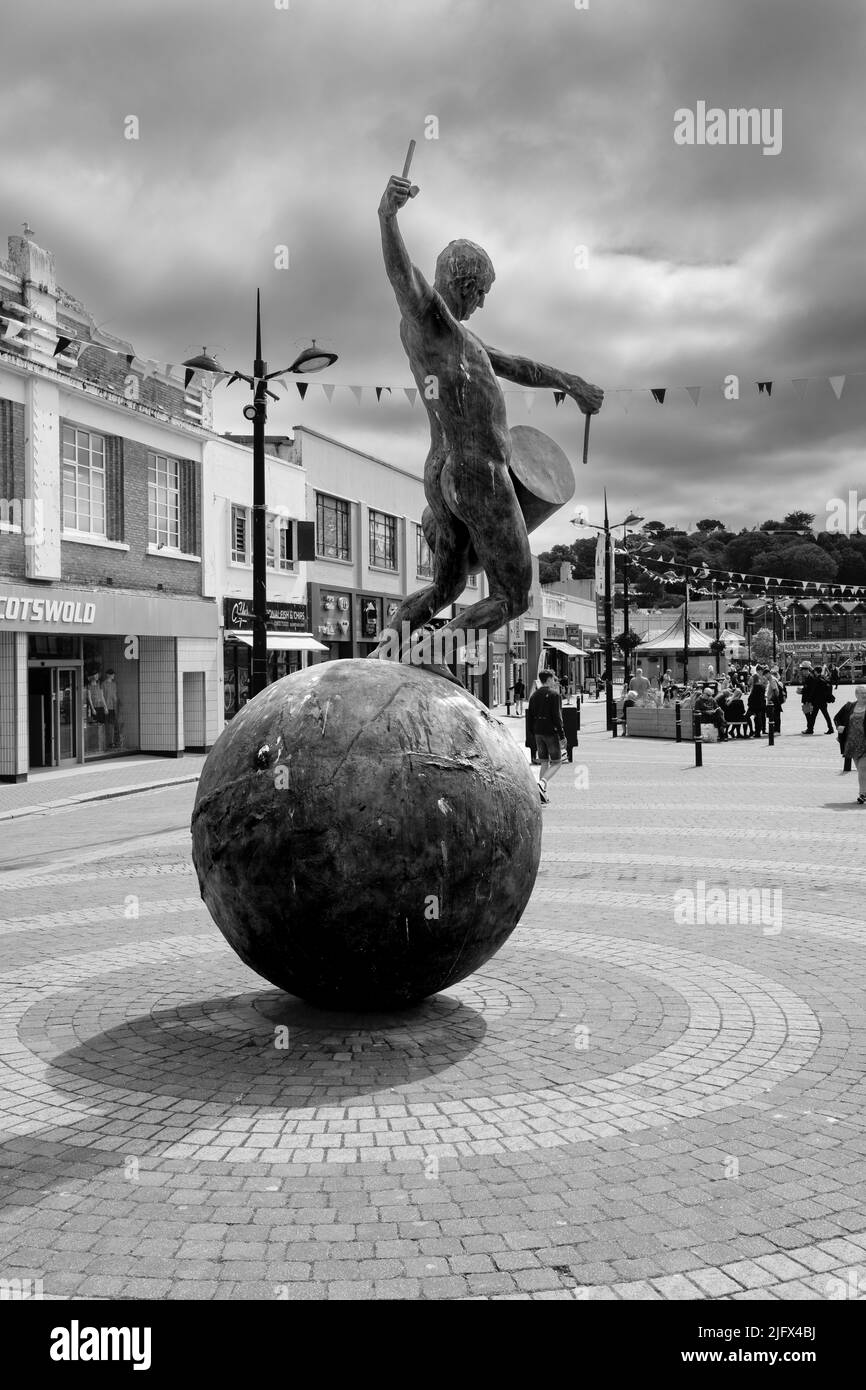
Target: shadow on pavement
271	1049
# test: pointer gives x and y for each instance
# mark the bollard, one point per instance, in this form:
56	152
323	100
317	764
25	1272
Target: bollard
771	733
699	742
679	722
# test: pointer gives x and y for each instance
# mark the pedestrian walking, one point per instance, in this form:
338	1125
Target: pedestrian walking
757	705
519	696
817	695
851	724
545	714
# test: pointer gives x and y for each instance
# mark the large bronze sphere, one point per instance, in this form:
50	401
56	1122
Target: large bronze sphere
365	834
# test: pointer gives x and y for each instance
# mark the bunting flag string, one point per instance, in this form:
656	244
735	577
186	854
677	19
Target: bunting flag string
680	572
18	323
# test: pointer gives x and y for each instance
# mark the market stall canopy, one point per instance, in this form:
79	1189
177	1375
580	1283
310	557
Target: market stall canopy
673	639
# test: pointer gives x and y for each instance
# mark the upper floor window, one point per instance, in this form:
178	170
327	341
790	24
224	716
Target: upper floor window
83	481
283	529
333	541
278	539
163	501
472	581
383	540
423	556
240	535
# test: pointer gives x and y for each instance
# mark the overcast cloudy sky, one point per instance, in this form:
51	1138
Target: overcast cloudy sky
261	126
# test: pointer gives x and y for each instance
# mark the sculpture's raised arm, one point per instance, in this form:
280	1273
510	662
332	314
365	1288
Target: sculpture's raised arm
525	372
413	293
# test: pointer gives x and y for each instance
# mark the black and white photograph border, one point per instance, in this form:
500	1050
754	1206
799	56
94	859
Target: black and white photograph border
389	911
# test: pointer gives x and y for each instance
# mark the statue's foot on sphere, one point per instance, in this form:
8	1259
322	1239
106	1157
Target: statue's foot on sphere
365	834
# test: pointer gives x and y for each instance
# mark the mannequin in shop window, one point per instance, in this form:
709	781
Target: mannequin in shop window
95	704
109	695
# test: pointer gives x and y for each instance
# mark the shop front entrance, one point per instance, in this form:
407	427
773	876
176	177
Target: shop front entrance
54	704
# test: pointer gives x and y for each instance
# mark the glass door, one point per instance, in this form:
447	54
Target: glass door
66	707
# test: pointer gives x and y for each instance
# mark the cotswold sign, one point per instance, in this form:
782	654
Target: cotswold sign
45	610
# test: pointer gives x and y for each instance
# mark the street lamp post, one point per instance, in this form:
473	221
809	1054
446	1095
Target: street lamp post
610	707
312	359
686	637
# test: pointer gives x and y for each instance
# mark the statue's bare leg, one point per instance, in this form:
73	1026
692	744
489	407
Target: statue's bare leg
497	529
450	571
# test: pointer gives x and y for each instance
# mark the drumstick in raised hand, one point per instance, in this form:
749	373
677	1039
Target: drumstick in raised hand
409	153
586	438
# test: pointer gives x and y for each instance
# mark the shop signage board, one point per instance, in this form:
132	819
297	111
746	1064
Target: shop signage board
281	617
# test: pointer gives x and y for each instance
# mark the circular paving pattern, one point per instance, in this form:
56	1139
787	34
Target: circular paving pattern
564	1037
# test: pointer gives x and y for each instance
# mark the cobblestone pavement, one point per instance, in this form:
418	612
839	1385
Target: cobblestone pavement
48	790
620	1105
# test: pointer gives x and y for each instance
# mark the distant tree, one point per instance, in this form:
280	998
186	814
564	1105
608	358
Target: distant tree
771	525
708	524
656	530
801	560
762	645
799	521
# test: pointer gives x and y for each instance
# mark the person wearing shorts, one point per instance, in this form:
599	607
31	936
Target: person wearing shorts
545	713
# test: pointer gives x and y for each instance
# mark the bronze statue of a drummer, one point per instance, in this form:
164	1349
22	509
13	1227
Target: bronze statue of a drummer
474	515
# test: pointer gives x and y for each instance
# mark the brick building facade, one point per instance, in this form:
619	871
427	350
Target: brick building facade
106	643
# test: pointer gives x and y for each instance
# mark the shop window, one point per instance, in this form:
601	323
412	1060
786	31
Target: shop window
163	501
110	708
332	528
83	481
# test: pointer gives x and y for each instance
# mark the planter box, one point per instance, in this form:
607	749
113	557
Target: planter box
660	722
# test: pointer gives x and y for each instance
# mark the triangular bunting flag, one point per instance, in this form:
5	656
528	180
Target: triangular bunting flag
328	390
695	393
356	392
622	399
529	399
303	387
188	376
658	394
148	369
558	397
61	346
130	358
799	384
411	394
838	384
764	386
13	329
380	389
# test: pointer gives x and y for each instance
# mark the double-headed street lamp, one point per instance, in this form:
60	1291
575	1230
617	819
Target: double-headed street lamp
606	529
312	359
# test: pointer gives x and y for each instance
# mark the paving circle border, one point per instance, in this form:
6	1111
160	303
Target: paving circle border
744	1035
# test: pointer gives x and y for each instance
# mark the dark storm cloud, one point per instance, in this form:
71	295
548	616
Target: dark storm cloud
261	127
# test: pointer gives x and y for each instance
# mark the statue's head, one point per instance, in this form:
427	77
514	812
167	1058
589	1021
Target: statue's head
464	274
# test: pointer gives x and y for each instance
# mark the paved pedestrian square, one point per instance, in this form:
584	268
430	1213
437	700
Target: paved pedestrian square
620	1105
